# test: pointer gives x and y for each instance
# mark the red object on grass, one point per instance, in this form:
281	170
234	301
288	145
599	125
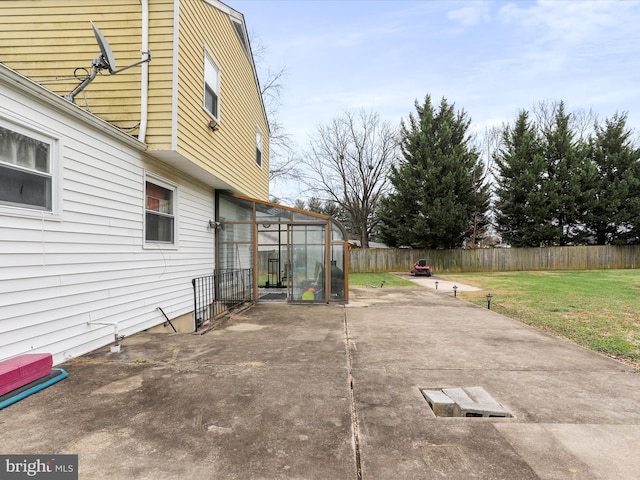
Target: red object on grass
421	268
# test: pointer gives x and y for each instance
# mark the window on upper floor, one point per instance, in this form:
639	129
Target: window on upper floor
160	208
239	28
259	144
26	169
211	87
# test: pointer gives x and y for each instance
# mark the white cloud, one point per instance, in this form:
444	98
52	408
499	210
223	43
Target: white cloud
472	14
490	58
574	22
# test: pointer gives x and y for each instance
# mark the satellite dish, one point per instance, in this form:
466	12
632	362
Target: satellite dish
106	59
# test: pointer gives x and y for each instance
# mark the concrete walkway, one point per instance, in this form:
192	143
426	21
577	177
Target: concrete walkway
332	392
439	284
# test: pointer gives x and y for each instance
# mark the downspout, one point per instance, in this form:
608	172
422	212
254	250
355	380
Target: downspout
174	78
144	79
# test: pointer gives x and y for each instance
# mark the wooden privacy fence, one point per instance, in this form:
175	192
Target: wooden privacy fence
593	257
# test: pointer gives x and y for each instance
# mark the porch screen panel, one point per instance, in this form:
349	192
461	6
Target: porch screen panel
308	263
234	256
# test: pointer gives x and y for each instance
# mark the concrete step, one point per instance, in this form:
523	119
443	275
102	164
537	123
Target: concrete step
463	402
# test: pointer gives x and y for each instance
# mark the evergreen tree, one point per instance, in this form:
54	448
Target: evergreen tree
314	204
334	210
613	216
566	164
301	205
587	179
545	184
329	208
522	208
440	196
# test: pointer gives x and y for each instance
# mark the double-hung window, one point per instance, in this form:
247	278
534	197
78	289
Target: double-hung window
211	87
26	171
160	208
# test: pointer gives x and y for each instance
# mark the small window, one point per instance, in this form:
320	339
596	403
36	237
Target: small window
211	87
258	148
159	212
25	171
239	28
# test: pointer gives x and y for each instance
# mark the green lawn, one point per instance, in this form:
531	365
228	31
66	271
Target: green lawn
360	280
597	309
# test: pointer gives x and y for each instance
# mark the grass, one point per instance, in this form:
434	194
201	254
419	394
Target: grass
359	280
599	310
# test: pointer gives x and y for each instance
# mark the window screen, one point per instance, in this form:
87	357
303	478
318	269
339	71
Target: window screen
159	215
25	171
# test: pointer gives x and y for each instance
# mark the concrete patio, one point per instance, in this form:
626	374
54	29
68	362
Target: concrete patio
333	392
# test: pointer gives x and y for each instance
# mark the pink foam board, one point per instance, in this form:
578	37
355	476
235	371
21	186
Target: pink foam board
18	371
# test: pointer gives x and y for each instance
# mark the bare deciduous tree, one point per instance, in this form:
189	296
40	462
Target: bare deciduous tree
487	146
349	163
282	160
581	121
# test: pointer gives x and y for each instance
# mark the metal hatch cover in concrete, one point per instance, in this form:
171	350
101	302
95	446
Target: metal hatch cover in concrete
463	402
281	401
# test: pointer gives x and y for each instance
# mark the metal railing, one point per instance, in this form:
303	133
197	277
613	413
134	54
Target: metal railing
214	295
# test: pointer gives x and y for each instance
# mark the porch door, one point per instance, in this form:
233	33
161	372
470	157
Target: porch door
307	257
272	256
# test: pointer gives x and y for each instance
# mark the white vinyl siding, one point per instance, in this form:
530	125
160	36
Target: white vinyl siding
58	277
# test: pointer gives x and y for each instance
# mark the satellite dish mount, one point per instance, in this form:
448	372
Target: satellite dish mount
106	61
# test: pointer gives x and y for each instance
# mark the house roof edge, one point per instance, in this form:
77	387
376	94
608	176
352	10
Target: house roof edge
16	80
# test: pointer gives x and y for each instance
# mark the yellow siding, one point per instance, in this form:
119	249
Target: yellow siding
47	40
161	27
229	152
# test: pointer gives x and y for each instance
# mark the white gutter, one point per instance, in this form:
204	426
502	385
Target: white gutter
144	77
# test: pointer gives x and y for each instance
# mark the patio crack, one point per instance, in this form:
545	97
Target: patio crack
354	408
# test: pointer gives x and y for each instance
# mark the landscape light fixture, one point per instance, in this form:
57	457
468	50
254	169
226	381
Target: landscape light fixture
436	284
455	290
489	297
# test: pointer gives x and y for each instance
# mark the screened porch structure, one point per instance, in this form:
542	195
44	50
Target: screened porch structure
295	255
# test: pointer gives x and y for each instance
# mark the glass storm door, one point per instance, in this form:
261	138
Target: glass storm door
307	277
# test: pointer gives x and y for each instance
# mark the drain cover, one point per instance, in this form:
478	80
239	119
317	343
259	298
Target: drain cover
463	402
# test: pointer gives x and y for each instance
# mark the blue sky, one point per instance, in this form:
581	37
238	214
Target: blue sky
490	58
